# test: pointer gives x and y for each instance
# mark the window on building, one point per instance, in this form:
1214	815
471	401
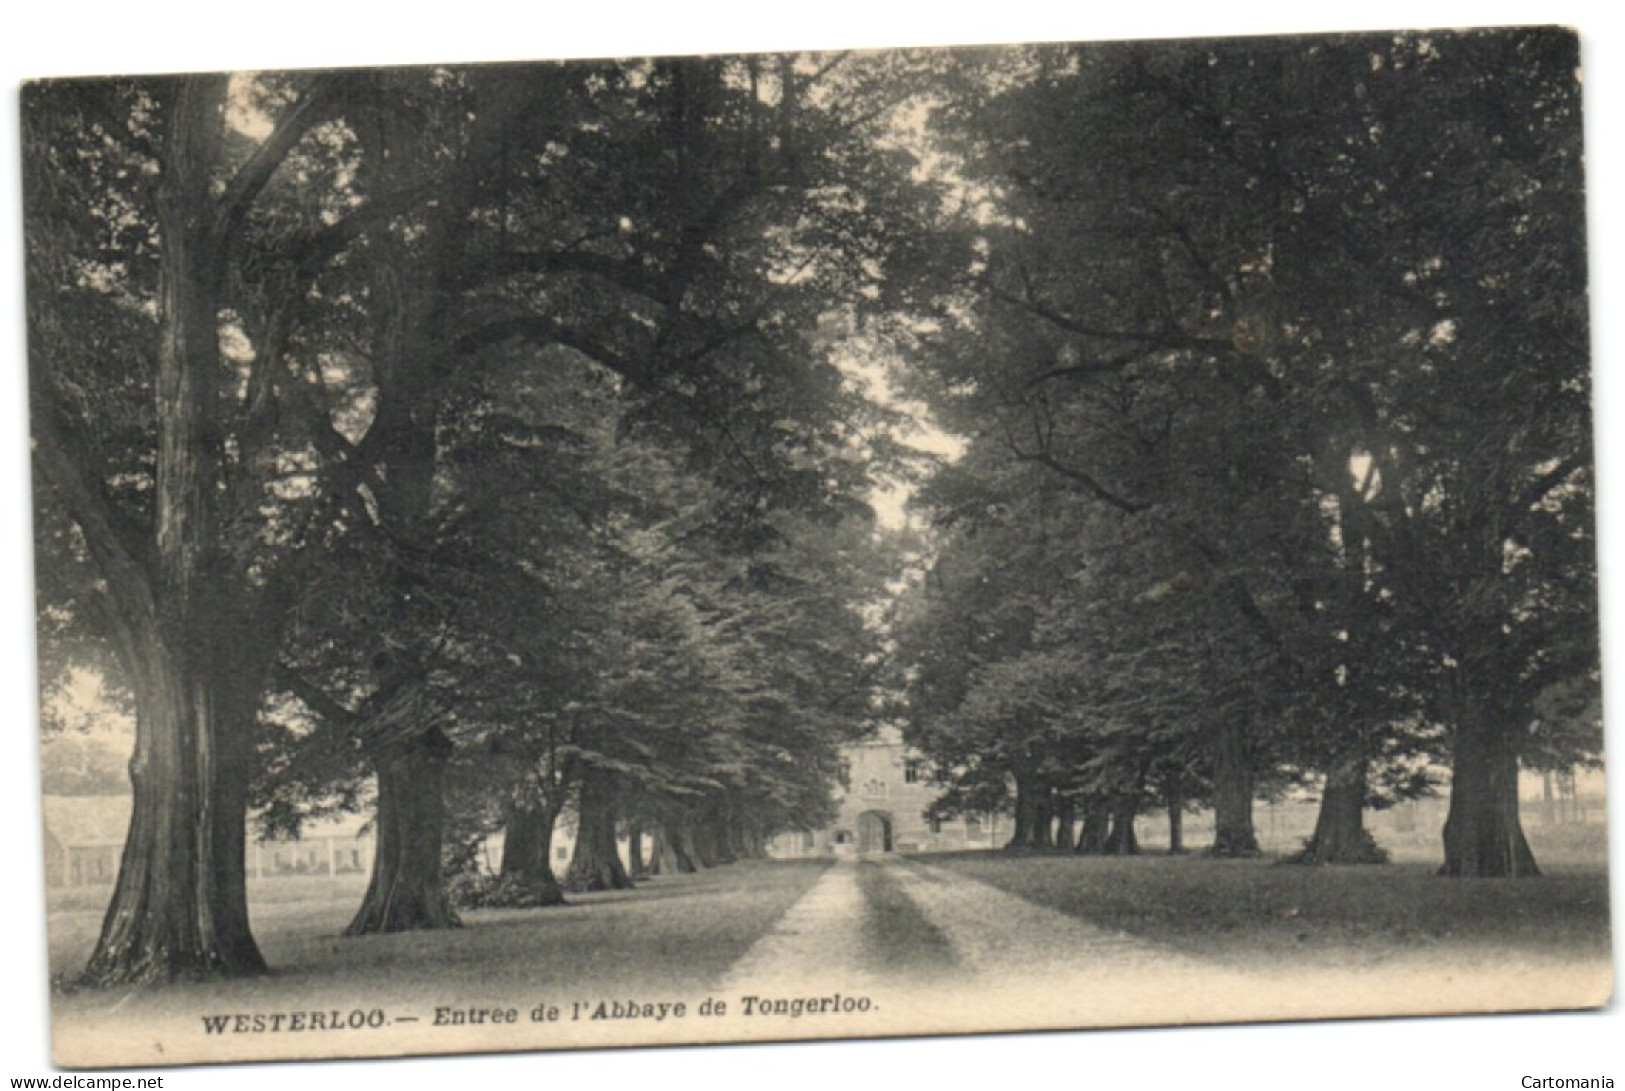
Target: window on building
912	769
973	824
936	824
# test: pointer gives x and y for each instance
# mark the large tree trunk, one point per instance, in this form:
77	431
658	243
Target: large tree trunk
1065	818
687	841
1043	821
596	862
698	839
1121	840
408	302
746	840
667	855
1483	837
1096	823
179	908
1340	835
738	841
526	878
246	668
707	841
719	831
406	891
1021	831
1174	792
1025	831
1232	793
692	838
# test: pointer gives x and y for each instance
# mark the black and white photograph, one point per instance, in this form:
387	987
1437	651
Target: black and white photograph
774	544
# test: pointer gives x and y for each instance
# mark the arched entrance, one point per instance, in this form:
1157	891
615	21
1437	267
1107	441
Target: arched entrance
874	832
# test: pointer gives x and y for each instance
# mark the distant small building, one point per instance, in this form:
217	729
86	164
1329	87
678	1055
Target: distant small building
84	837
882	809
1568	797
340	845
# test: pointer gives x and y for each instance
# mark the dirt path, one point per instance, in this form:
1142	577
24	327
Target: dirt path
955	952
1003	939
812	945
887	923
760	951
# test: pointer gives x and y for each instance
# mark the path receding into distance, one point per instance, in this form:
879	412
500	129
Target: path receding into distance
890	923
814	945
938	951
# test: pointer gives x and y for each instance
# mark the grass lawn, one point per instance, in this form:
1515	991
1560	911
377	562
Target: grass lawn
896	937
279	909
1252	914
676	933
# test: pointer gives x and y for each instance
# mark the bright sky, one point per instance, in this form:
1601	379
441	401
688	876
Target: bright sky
81	704
871	374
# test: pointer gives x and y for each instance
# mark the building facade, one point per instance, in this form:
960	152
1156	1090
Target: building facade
84	838
882	808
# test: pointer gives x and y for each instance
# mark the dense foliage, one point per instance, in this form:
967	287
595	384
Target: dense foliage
1300	325
492	447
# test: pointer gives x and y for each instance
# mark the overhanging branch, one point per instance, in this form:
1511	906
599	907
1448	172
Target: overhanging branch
253	176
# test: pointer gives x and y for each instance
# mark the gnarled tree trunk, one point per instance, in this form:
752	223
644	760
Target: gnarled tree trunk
1096	824
180	909
596	862
406	891
688	842
1120	841
1340	835
693	839
1483	837
1025	831
526	876
719	832
707	841
667	855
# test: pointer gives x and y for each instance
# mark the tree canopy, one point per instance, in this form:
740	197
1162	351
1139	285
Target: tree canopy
495	446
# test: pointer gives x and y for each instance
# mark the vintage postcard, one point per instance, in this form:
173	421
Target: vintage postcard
814	545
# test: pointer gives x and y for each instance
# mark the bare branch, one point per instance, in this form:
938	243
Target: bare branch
1150	339
316	699
253	176
116	549
1091	484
